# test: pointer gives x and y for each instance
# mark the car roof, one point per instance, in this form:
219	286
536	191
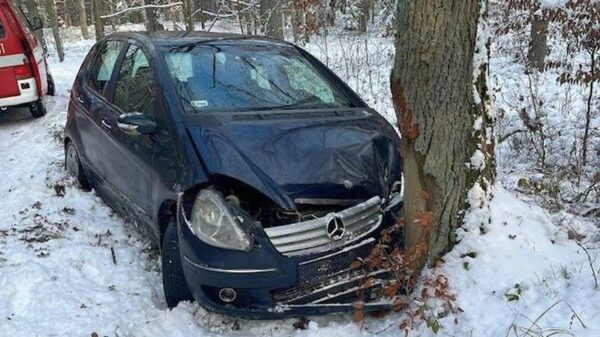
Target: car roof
184	37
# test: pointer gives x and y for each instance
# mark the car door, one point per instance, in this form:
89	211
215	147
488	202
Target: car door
129	158
92	104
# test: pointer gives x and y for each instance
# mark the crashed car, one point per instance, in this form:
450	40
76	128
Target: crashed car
261	175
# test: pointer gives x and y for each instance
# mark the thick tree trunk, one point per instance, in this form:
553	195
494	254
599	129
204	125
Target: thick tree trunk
442	105
51	9
538	44
270	14
83	19
98	24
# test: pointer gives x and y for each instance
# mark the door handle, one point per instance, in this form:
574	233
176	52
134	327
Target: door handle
106	125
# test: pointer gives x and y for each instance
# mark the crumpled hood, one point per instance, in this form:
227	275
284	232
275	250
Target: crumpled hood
354	156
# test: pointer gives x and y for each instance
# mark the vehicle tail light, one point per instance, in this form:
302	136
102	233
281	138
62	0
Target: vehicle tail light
23	72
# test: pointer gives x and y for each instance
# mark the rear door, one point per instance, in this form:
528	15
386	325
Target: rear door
32	47
93	104
129	158
11	55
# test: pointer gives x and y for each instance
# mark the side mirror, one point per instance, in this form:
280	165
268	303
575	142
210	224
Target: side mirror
37	23
136	124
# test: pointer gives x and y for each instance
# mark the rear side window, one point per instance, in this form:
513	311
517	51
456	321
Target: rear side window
105	64
2	31
135	90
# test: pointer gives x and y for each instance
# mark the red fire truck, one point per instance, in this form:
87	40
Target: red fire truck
24	77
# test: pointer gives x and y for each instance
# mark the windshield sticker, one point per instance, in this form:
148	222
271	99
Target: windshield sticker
200	104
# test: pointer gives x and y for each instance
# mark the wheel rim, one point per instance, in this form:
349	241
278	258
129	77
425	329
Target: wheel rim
72	161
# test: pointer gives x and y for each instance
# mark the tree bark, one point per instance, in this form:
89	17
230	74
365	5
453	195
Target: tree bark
83	19
98	24
538	43
442	103
51	9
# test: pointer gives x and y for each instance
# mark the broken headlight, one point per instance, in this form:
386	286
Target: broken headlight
212	222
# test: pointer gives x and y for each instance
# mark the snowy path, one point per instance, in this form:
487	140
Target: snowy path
58	278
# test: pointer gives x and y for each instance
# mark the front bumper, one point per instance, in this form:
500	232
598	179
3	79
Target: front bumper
271	285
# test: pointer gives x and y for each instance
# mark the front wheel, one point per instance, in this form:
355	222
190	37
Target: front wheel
37	109
174	284
73	166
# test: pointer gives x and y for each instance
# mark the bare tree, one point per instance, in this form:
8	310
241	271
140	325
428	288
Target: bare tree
51	9
83	19
32	9
538	44
270	13
98	24
442	103
152	23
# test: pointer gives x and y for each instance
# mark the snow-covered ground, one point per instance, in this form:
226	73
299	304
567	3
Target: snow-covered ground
58	276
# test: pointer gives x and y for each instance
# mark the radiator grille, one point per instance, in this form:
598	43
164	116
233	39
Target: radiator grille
310	236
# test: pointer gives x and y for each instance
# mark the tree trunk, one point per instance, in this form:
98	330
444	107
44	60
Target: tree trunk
588	112
98	24
51	9
442	103
270	14
538	44
363	16
83	19
152	23
187	15
33	11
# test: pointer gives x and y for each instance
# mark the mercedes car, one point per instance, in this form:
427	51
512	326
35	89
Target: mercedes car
260	174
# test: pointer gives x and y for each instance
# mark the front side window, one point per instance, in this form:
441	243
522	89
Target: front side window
135	90
105	64
224	76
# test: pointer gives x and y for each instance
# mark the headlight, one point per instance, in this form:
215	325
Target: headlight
212	222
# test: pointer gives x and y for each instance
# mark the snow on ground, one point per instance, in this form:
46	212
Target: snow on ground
58	276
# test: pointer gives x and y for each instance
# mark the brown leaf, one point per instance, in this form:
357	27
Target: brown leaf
399	305
358	316
356	264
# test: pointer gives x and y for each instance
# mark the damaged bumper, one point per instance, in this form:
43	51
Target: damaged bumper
293	270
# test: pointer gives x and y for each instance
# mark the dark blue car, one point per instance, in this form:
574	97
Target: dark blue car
261	175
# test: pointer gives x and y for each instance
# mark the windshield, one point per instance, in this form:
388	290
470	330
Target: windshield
250	77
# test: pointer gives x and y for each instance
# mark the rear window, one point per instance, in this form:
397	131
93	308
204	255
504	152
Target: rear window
2	30
224	76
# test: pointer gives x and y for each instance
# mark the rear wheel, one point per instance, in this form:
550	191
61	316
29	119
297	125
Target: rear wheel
37	109
51	86
174	284
73	166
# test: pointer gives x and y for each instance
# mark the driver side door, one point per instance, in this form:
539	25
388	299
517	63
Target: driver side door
129	158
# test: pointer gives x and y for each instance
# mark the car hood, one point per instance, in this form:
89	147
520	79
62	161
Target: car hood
286	156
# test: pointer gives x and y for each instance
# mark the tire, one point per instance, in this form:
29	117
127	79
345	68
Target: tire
174	284
51	86
74	168
37	109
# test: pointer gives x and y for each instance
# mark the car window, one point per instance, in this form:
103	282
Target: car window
105	64
220	76
2	31
135	90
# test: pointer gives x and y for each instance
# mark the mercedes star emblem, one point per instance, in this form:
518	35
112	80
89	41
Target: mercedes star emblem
335	228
